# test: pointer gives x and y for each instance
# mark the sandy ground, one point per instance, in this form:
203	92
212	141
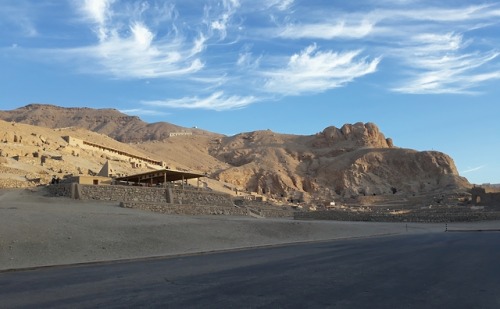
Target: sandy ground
36	230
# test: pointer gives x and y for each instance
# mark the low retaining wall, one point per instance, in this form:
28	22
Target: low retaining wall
60	190
186	209
196	197
140	194
271	213
441	216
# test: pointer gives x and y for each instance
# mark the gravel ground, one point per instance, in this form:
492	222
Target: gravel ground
36	230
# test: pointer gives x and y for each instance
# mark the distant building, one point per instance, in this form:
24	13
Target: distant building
89	180
114	152
171	134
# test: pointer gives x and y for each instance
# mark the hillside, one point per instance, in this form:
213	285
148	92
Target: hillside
337	163
109	122
30	154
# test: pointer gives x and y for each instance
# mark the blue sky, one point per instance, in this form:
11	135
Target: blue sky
426	72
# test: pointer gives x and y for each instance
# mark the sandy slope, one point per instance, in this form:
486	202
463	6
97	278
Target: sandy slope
36	230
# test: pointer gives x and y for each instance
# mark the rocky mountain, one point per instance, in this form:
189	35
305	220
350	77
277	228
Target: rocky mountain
110	122
350	161
337	163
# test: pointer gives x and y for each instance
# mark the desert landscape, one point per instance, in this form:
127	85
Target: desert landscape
249	154
335	164
279	182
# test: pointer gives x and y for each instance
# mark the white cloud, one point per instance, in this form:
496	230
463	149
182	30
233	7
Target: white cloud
243	47
440	65
16	19
317	71
426	43
281	5
220	22
143	112
97	10
473	169
327	31
217	101
128	48
472	12
246	61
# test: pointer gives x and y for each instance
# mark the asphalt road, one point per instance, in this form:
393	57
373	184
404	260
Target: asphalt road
440	270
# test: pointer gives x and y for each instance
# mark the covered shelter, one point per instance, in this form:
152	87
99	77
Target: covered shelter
159	177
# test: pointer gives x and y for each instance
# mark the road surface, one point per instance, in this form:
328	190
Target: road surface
436	270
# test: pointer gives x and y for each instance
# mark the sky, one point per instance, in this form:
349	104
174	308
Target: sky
427	73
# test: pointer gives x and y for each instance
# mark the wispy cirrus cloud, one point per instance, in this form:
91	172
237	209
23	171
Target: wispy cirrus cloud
18	18
98	12
232	53
281	5
220	19
327	31
427	42
143	112
316	71
441	65
473	169
217	101
128	48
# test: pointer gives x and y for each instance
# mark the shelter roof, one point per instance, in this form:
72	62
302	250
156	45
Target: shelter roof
160	176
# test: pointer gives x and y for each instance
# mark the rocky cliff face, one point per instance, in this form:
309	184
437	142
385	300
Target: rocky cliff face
353	160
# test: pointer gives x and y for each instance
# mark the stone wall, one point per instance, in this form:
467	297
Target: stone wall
430	216
197	210
140	194
196	197
165	200
276	213
63	190
123	193
187	209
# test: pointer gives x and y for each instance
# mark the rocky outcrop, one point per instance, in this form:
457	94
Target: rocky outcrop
335	163
353	135
391	171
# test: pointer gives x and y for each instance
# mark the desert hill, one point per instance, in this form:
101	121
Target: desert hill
109	122
337	163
